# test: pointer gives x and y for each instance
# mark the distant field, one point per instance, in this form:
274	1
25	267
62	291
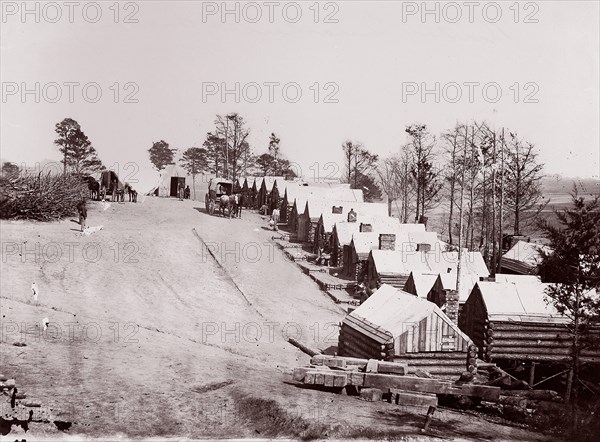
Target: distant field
555	188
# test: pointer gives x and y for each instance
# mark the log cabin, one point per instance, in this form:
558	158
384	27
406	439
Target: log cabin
265	186
342	234
245	193
396	326
393	266
523	258
510	321
362	212
401	236
293	190
253	186
420	284
339	192
445	283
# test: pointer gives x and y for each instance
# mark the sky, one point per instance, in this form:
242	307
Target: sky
363	70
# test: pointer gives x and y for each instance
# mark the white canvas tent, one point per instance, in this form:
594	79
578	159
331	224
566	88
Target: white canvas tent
165	182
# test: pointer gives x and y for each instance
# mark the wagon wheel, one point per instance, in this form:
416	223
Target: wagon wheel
211	207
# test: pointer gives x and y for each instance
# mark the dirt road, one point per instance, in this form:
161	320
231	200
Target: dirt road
150	334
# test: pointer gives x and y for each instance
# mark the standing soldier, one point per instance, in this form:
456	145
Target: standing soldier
82	210
275	217
180	192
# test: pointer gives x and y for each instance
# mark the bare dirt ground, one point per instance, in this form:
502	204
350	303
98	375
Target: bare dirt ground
150	334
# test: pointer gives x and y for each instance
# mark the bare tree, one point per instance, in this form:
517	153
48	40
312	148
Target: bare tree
396	180
232	128
215	148
389	180
427	182
359	161
453	149
523	174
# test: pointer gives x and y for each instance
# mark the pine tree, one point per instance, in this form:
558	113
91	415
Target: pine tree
573	266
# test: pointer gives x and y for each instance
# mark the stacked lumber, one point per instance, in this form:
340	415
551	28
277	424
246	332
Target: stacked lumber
389	377
446	365
18	409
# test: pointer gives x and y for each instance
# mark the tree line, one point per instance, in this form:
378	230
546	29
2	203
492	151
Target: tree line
484	180
225	152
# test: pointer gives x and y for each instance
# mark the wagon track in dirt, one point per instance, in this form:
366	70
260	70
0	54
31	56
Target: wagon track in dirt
227	274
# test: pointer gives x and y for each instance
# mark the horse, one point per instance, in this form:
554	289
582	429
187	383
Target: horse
231	202
120	195
93	187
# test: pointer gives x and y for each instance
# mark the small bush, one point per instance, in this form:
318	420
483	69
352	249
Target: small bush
42	197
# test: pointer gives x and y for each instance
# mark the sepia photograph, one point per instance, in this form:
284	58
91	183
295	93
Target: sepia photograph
300	220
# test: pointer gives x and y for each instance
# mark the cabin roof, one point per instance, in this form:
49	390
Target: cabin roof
345	230
269	181
380	224
518	279
365	212
405	261
393	310
364	242
467	282
526	253
516	301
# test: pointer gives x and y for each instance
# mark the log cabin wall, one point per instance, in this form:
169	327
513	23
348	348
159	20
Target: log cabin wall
473	322
360	339
537	338
318	235
311	228
293	221
533	341
393	279
337	252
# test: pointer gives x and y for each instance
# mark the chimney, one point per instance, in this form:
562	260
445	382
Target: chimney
423	247
452	305
338	209
387	241
366	227
352	216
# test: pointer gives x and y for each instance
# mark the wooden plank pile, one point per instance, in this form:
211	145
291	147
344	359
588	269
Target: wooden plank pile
391	378
440	364
19	411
